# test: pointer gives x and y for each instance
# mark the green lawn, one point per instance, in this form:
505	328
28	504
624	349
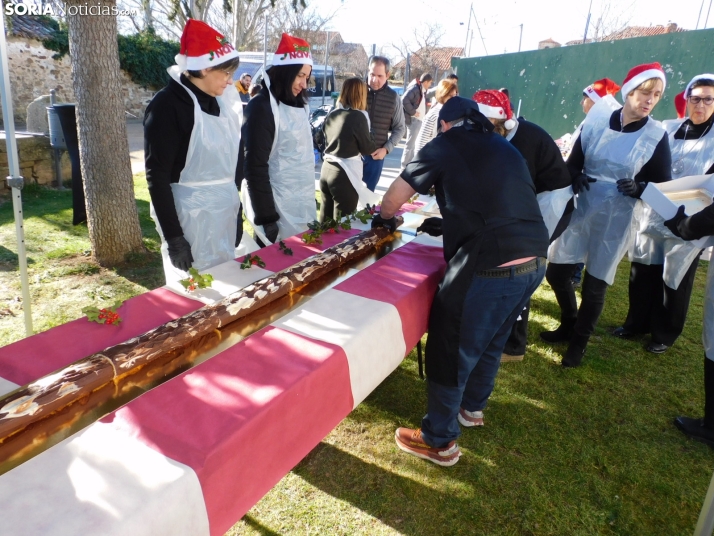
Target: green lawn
584	451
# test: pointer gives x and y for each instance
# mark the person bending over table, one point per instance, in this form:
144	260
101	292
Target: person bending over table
191	140
495	244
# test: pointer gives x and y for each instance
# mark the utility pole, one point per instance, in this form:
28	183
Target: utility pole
265	41
324	75
520	39
468	28
587	23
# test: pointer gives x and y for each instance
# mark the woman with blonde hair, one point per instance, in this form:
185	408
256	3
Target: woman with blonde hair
347	138
614	158
446	89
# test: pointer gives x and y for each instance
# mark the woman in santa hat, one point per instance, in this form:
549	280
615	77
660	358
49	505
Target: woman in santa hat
191	139
614	158
663	266
279	170
700	106
548	172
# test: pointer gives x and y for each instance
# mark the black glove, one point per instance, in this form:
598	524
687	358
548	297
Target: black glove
271	231
673	224
582	182
630	187
180	253
379	221
431	226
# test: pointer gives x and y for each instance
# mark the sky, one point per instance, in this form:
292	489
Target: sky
383	22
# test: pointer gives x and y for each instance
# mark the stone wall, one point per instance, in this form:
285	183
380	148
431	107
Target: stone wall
36	160
33	73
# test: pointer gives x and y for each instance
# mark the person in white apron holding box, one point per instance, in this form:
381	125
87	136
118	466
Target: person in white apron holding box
616	154
192	134
663	265
278	190
347	139
693	228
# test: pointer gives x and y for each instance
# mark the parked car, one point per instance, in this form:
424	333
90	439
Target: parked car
398	89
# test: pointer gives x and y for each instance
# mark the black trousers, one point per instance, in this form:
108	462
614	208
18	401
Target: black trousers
656	308
518	339
584	319
338	197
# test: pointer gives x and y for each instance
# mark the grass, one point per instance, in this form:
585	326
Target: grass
564	452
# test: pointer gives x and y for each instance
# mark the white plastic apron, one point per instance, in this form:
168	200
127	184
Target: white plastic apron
654	243
206	197
708	335
354	168
603	224
291	167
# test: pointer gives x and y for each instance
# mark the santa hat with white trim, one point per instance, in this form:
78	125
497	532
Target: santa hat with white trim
292	51
640	74
696	79
202	47
495	104
601	88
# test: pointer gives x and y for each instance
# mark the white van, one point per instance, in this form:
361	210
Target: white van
252	63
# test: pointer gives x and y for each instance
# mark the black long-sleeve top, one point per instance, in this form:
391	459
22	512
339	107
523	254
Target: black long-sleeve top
543	158
168	123
657	169
257	136
694	132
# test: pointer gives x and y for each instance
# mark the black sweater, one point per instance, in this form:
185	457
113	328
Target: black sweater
657	169
168	123
544	160
347	134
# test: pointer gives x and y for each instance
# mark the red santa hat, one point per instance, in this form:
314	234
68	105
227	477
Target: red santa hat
641	74
696	79
292	51
202	47
600	88
680	104
495	105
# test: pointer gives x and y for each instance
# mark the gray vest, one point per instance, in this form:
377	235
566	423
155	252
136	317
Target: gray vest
380	106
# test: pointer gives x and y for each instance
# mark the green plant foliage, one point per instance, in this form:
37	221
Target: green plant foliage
144	56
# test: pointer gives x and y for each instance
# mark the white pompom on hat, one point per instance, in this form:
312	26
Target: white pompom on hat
292	51
639	75
202	47
495	104
705	76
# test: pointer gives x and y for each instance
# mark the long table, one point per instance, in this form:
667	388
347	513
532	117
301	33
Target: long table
194	454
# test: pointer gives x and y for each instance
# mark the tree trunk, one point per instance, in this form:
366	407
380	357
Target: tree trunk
112	216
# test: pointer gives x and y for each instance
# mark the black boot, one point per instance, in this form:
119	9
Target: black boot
702	429
573	355
562	333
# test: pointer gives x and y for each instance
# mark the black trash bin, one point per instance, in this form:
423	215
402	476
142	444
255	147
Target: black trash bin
68	120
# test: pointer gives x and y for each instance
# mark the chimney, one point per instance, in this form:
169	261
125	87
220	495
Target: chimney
671	27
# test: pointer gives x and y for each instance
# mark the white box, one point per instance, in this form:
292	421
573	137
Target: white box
662	197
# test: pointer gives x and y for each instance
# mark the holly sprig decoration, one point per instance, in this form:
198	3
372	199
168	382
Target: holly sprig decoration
251	260
285	249
105	315
196	280
432	191
413	199
365	214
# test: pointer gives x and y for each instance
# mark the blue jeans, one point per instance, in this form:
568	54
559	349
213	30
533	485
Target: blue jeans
371	171
491	307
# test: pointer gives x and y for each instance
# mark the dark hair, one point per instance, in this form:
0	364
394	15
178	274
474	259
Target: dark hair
282	78
426	77
381	60
704	82
230	65
504	91
452	76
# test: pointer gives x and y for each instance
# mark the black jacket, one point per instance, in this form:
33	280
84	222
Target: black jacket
411	99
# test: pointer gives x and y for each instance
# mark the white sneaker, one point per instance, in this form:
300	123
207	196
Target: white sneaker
470	418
